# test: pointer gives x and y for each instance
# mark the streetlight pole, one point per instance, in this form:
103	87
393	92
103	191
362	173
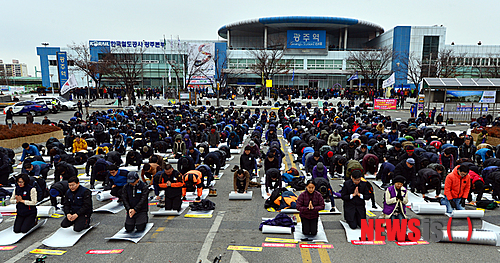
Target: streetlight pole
51	75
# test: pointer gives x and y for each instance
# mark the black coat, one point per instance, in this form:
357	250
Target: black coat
356	204
405	171
136	197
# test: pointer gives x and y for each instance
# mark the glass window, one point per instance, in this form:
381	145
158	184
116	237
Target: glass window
430	46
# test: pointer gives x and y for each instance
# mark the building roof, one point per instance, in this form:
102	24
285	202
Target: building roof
461	82
283	23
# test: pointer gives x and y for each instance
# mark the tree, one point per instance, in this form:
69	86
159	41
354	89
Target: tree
491	69
446	64
83	61
270	62
411	66
371	64
125	67
4	80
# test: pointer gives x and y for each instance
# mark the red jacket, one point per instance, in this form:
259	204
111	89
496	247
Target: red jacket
475	177
456	186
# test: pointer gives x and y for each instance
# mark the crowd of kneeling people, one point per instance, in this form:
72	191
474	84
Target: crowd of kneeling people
343	142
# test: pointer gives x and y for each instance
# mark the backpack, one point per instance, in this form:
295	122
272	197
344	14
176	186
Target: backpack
487	204
274	195
203	205
298	184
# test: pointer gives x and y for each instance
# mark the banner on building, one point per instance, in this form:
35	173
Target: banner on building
201	59
306	39
389	82
464	95
489	96
62	66
385	104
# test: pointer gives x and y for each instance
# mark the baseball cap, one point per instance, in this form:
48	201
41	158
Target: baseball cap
132	177
410	161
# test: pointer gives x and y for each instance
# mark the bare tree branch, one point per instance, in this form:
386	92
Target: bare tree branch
371	64
126	67
83	61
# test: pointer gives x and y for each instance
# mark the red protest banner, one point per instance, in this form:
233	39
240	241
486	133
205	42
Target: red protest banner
327	246
385	104
103	252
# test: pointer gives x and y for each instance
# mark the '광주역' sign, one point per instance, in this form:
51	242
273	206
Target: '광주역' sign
385	104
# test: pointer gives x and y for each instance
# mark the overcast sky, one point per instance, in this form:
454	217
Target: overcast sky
28	23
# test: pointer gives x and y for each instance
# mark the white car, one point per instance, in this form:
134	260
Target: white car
64	103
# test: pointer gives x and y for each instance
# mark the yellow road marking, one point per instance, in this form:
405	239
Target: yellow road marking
306	255
323	254
160	229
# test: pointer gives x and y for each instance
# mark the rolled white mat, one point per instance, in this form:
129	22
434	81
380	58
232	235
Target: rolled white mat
328	206
429	209
103	196
8	209
467	213
238	196
45	211
276	230
481	237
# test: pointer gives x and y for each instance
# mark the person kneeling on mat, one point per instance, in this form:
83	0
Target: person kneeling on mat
354	194
456	188
395	199
77	206
169	180
135	199
192	180
309	203
326	191
25	198
240	181
117	180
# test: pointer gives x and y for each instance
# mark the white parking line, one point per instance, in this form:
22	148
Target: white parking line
203	256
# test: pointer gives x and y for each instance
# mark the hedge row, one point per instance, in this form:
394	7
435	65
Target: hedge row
23	130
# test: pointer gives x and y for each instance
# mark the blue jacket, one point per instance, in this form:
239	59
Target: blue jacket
482	153
37	167
120	179
32	151
195	155
392	136
294	139
305	152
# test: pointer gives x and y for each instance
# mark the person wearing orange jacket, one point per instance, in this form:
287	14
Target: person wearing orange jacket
456	188
192	180
169	180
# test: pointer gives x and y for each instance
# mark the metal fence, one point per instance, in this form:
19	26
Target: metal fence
461	112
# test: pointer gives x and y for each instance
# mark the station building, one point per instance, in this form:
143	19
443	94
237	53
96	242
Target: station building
316	49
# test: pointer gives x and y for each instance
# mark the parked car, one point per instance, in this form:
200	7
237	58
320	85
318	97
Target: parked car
23	107
63	103
52	108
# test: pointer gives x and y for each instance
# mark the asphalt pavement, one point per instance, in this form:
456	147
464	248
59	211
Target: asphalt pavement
180	239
